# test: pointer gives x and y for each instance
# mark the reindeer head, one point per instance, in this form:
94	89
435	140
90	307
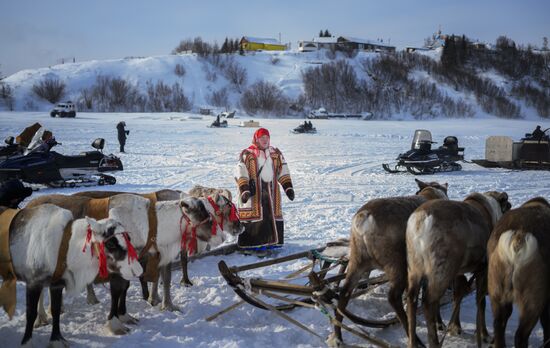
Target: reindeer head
501	199
116	253
213	216
226	214
432	189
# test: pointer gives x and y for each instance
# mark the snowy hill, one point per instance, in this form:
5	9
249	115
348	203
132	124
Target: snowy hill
207	82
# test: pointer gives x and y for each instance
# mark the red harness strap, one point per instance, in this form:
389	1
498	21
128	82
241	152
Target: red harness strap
218	212
191	245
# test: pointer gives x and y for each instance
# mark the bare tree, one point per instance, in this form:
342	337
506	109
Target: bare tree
264	97
50	89
236	74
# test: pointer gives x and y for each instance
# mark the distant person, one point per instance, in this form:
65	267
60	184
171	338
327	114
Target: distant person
122	133
217	122
537	133
12	193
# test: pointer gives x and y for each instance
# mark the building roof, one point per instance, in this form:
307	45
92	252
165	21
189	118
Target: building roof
267	41
363	41
327	40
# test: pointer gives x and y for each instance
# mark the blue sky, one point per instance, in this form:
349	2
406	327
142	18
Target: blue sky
40	33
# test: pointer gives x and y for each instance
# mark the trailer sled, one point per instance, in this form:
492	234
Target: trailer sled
315	285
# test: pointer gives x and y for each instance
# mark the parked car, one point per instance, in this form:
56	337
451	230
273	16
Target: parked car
66	109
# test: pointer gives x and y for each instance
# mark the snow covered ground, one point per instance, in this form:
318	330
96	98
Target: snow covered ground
334	173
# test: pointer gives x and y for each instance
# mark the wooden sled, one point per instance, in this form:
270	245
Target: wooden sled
314	286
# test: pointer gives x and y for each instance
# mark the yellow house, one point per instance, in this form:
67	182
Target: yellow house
255	44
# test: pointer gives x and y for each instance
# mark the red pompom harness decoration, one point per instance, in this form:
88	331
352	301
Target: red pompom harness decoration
100	250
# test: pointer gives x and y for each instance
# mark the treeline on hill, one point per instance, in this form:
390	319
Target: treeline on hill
390	86
114	94
203	48
529	73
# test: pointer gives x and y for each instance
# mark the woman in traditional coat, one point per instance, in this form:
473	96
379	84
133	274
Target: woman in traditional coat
260	171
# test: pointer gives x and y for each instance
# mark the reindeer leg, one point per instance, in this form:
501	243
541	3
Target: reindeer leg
527	321
144	285
56	301
395	298
430	311
167	304
545	323
460	288
154	298
33	296
184	273
114	325
481	291
354	274
91	297
42	318
122	311
501	313
412	304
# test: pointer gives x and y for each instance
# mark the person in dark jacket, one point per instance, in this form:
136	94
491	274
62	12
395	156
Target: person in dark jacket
537	133
122	133
12	193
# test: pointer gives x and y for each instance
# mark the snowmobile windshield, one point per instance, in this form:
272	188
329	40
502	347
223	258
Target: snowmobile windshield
421	137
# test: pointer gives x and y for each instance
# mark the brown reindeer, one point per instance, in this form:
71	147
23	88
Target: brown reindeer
378	242
519	271
446	239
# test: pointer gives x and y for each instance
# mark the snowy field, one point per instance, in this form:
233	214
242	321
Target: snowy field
334	173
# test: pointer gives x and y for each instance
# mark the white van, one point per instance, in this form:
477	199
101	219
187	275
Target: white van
66	109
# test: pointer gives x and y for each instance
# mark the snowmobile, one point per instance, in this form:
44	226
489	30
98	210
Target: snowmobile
42	166
216	124
422	159
303	129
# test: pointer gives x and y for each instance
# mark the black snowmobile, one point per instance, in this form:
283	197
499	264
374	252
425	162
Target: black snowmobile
421	159
42	166
305	128
216	124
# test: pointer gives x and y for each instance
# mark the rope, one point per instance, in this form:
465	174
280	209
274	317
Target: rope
316	254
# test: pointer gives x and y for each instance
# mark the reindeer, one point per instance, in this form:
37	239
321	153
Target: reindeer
35	238
190	219
167	195
446	239
131	211
519	271
378	242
